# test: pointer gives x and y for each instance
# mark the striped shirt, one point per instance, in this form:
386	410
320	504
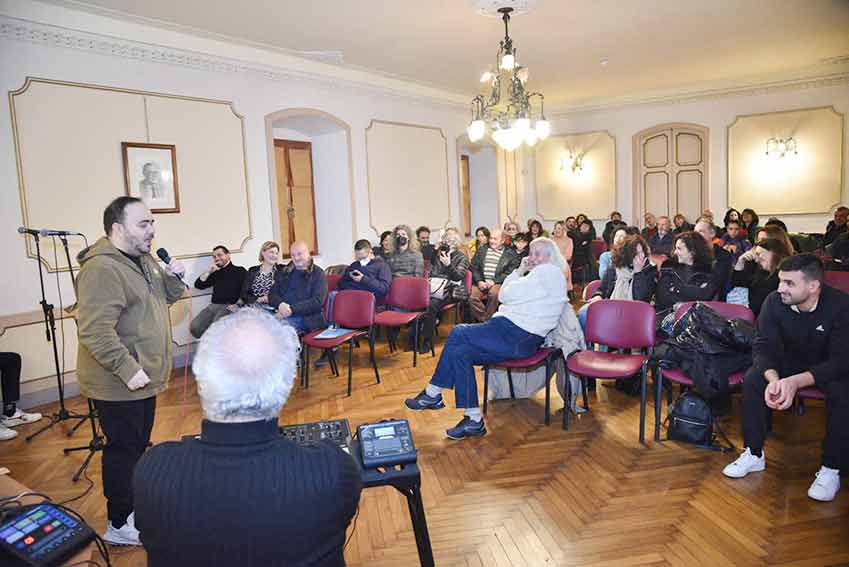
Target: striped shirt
490	263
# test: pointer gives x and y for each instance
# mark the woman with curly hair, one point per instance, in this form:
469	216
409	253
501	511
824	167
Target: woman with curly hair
405	259
687	276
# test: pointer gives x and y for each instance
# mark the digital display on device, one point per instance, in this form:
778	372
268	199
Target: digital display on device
384	431
42	533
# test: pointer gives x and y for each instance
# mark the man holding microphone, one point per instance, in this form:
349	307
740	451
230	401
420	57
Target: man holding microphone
124	356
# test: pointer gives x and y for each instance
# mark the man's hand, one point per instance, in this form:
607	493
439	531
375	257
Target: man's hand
489	284
284	310
175	268
262	299
482	286
640	263
780	395
524	266
731	248
138	381
212	268
357	276
232	308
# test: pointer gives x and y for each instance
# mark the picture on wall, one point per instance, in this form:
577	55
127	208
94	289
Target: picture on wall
150	173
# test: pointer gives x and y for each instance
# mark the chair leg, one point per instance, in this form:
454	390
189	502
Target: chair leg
303	363
306	367
547	393
350	364
510	383
373	357
658	396
334	364
485	388
584	391
643	379
415	341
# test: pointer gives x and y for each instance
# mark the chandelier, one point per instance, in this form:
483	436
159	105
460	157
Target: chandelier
511	119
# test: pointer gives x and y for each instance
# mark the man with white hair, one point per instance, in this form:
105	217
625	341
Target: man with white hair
240	494
532	298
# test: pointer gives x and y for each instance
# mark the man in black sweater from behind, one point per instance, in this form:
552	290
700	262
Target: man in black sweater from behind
226	281
803	334
241	494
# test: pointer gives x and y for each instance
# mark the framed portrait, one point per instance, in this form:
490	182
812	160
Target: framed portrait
150	173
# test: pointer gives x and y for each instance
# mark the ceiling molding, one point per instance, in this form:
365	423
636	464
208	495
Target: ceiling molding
752	89
329	76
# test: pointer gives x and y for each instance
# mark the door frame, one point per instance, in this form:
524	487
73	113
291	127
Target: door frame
300	145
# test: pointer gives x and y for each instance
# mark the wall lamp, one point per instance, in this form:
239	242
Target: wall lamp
781	146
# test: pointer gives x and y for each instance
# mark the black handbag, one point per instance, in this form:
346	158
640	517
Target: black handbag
691	420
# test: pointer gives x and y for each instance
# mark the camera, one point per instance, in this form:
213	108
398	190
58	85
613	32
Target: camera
443	248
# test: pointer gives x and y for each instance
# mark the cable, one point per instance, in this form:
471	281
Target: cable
61	304
85	492
188	351
83	562
353	529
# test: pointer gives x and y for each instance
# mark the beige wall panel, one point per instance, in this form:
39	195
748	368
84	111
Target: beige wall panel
407	175
560	191
36	352
211	171
773	185
657	192
689	190
69	144
656	151
689	150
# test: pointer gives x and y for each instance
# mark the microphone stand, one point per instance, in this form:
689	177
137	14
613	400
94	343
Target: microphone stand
50	329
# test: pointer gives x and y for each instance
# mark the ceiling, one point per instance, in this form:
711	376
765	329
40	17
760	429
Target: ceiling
651	45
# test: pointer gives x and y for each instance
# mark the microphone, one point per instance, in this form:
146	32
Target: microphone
166	258
49	232
25	230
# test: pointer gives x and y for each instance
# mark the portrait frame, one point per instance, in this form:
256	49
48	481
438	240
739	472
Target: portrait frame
150	173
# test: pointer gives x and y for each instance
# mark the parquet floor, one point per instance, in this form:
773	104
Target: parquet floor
527	494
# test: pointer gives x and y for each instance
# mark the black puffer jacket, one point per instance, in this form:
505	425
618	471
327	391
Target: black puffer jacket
679	283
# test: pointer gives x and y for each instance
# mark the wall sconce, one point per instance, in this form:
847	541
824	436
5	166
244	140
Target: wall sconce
781	146
575	162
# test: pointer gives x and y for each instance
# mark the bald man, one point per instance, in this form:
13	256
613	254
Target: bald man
299	291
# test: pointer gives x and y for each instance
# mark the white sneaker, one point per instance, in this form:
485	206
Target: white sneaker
826	484
19	418
745	464
125	535
6	433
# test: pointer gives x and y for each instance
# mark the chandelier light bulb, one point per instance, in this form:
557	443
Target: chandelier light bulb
523	73
476	130
531	138
543	129
486	76
523	125
508	61
508	138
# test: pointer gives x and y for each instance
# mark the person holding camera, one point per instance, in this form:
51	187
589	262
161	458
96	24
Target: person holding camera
405	259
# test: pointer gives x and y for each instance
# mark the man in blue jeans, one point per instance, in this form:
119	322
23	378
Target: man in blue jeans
532	298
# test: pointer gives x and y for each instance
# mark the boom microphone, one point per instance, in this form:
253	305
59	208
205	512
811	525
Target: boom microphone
25	230
163	255
50	232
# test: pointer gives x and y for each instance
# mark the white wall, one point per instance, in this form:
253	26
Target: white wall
483	187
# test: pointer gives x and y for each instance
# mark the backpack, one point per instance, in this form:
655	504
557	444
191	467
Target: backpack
690	420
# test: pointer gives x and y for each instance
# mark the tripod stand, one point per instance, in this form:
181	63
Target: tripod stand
50	328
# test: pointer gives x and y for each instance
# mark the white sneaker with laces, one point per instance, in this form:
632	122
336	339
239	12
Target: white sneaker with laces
6	433
19	418
745	464
825	485
125	535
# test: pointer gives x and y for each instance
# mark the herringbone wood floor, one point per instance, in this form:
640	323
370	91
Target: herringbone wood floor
526	494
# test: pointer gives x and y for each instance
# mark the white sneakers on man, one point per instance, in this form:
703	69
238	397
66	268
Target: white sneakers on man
825	485
125	535
14	420
745	464
6	433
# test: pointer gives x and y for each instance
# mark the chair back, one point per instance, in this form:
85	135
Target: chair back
468	280
725	310
333	282
621	323
409	293
353	309
597	246
838	280
591	288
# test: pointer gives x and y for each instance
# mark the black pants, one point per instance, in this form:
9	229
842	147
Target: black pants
10	376
127	426
835	445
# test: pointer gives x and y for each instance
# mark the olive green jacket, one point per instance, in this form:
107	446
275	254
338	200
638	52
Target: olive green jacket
122	323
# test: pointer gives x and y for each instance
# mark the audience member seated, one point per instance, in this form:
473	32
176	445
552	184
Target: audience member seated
535	230
839	250
10	381
451	265
605	260
707	215
582	218
299	290
520	245
511	229
733	215
776	222
566	246
801	342
425	247
662	241
533	296
481	239
837	226
734	240
260	279
571	226
687	275
723	262
681	224
773	231
385	248
405	260
582	257
631	276
611	225
749	220
226	281
367	273
490	266
757	270
650	228
241	494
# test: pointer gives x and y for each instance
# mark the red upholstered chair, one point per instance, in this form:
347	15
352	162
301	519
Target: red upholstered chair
545	356
838	280
809	393
727	310
590	289
412	295
617	324
333	282
597	246
354	310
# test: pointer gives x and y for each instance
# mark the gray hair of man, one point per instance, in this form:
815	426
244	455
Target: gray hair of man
554	255
245	367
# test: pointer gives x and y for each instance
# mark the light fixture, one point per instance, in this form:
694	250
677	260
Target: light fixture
781	146
511	121
575	162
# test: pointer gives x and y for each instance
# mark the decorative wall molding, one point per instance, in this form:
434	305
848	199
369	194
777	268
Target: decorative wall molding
17	29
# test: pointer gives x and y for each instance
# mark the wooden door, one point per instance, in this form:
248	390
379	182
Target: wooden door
295	194
671	171
465	194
